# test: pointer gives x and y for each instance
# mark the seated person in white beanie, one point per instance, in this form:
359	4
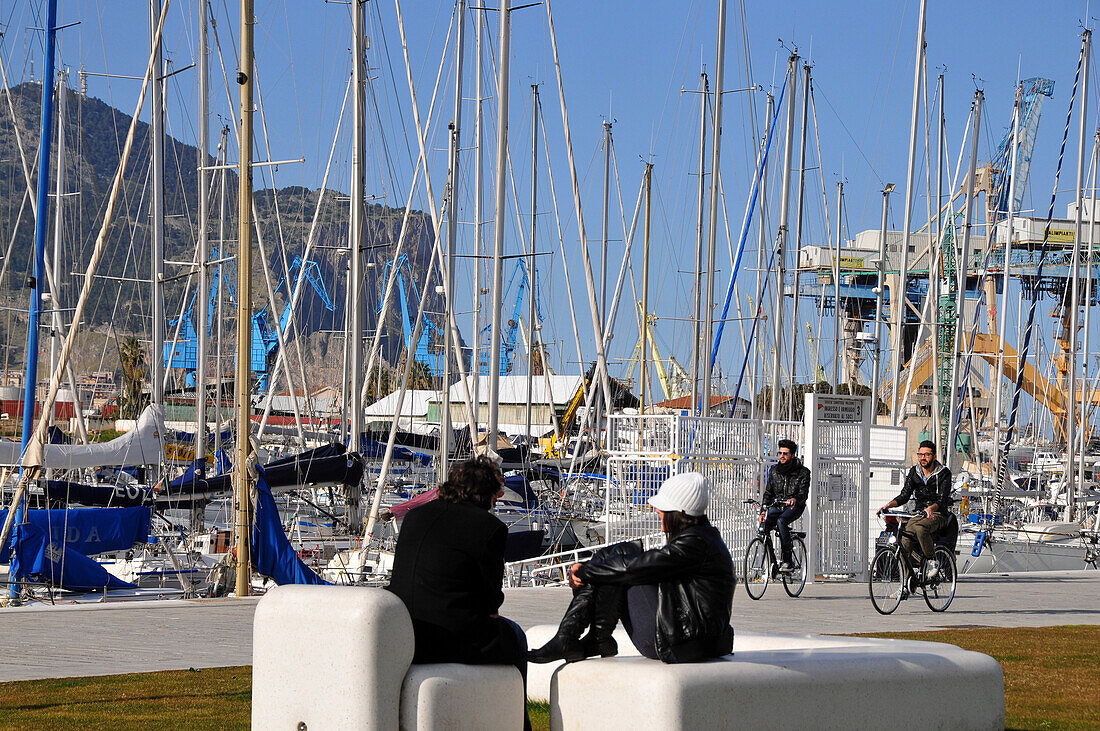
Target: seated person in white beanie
675	601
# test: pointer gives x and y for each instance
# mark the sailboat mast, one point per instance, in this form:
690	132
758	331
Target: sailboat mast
59	210
761	257
498	222
40	221
446	430
936	266
531	324
898	298
223	148
202	294
156	113
603	249
798	232
712	217
781	244
244	303
355	251
479	170
1088	313
876	373
643	352
1010	232
1075	284
698	348
838	351
962	266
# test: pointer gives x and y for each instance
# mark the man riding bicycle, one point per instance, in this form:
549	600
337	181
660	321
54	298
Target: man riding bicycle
785	497
929	482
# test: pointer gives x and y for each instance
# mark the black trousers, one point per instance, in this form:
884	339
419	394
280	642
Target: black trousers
637	604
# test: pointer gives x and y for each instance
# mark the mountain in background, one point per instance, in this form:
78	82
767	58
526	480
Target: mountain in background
94	134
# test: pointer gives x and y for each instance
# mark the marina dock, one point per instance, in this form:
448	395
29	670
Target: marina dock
107	639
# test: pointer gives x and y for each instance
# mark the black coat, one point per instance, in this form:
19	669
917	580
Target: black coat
448	570
936	491
792	483
694	577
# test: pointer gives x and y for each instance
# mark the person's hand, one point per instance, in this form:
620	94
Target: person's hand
790	501
574	581
928	513
882	510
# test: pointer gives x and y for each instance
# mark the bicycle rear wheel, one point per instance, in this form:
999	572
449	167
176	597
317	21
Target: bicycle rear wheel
795	579
939	592
885	581
758	569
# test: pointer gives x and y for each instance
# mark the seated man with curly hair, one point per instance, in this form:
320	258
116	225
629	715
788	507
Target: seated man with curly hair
449	571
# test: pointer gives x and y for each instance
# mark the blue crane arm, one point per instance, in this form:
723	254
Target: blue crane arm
313	274
1032	92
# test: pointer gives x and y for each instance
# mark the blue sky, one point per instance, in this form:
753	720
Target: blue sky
623	60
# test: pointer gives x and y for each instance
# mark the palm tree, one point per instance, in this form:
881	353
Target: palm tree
131	356
420	376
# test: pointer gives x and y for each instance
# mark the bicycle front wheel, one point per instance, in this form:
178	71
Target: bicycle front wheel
758	569
885	581
939	592
795	579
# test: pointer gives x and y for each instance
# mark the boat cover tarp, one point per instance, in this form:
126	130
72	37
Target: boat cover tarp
92	530
374	449
140	446
425	443
329	463
222	466
272	554
518	492
55	436
401	509
116	496
41	559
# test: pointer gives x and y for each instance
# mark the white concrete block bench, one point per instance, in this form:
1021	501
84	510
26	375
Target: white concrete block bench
339	657
452	696
780	682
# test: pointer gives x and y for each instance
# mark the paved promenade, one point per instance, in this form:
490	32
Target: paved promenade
104	639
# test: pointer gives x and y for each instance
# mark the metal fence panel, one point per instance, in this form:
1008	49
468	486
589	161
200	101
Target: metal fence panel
717	437
732	482
637	434
633	480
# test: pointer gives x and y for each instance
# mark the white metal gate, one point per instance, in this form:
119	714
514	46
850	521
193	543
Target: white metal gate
837	453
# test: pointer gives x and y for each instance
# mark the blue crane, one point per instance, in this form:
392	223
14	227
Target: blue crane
265	340
521	282
429	347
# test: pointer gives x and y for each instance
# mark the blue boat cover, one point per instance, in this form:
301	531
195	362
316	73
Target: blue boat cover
329	463
377	450
517	491
272	554
191	474
92	530
42	559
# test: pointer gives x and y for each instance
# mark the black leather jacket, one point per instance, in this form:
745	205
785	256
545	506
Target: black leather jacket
794	484
695	579
936	491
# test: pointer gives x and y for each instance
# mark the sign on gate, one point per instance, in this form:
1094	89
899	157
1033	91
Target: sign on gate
840	410
837	451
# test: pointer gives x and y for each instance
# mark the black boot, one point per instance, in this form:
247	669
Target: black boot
566	644
599	640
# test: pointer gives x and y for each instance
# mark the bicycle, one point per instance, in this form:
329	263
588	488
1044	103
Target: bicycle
892	576
760	566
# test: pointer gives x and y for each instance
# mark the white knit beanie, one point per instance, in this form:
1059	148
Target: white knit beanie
685	492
